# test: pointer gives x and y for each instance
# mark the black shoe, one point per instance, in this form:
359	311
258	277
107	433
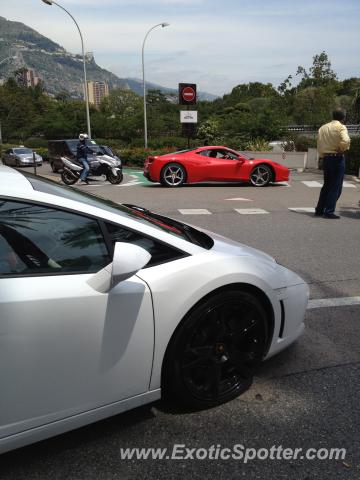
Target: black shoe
318	214
331	215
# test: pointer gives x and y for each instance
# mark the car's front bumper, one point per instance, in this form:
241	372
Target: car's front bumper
293	303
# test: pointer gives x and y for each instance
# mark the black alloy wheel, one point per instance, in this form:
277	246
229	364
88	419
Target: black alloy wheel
213	355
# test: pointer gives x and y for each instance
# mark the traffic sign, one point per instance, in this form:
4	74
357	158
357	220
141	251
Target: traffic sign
187	93
188	116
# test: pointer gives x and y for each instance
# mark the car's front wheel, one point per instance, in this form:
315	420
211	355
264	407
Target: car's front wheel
261	176
213	354
173	175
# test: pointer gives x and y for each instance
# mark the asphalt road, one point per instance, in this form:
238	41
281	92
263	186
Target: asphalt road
306	397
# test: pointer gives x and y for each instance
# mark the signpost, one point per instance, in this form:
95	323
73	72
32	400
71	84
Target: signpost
188	118
187	93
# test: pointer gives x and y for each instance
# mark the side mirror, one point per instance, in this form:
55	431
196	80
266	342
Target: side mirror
128	259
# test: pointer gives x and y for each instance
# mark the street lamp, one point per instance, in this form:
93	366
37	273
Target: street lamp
51	2
164	24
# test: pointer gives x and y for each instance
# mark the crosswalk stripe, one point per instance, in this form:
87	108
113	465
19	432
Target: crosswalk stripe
194	211
250	211
315	184
333	302
302	209
311	183
240	199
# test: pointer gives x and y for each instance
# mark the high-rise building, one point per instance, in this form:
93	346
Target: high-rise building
28	78
97	91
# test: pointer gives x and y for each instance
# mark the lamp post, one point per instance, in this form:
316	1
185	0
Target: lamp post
51	2
164	24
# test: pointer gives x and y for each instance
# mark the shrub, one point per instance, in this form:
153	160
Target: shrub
258	145
135	157
353	157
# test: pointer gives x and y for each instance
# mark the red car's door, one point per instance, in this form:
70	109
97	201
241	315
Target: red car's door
221	164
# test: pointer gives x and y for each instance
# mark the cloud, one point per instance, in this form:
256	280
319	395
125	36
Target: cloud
218	44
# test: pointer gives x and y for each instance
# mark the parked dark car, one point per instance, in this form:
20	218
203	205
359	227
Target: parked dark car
61	148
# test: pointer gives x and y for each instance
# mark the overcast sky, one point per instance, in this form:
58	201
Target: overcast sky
216	44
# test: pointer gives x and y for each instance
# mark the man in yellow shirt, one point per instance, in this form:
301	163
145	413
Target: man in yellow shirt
333	141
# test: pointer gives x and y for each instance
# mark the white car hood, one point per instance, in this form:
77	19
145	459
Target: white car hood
226	245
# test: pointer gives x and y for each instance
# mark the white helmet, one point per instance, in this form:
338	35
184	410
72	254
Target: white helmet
83	136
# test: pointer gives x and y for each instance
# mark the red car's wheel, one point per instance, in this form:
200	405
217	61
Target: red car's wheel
261	176
173	175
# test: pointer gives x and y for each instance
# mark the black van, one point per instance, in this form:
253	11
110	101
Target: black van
65	148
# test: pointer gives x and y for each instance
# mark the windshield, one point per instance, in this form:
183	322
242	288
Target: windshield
23	151
130	211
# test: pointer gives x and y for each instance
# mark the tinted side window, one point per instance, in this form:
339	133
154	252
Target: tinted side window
160	252
36	239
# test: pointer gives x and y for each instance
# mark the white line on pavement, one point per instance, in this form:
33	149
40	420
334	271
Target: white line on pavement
194	211
130	184
240	199
302	209
333	302
311	183
250	211
349	185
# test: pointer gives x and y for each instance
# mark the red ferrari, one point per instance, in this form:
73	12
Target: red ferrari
212	164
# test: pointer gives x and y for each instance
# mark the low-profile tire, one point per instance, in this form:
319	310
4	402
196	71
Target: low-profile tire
68	178
261	176
173	175
214	352
114	179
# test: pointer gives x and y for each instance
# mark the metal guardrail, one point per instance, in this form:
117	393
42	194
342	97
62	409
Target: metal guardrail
352	128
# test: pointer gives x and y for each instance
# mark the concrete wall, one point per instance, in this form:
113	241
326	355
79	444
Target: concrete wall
294	160
312	158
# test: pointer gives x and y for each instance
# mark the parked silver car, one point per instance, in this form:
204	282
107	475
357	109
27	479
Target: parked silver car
21	157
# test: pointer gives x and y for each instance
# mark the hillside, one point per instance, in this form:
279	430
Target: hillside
59	69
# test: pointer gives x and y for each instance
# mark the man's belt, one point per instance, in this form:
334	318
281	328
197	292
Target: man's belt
333	154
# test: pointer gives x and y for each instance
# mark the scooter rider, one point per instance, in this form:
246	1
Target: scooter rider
82	151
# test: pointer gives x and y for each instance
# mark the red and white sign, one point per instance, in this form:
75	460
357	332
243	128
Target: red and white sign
188	94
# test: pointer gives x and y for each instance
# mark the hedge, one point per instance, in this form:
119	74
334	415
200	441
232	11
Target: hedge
353	157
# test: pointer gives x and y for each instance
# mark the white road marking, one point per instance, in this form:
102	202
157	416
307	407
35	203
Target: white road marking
130	184
194	211
240	199
311	183
302	209
250	211
333	302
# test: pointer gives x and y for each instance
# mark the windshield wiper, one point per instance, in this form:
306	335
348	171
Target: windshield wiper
186	230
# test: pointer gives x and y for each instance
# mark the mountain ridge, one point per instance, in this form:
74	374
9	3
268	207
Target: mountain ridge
59	69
